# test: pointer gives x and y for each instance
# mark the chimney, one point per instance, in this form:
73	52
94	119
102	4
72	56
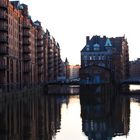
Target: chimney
87	39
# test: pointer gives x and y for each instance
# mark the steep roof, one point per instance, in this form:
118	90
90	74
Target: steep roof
16	4
104	42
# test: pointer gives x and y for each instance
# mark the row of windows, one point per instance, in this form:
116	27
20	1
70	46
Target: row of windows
94	48
96	57
99	64
102	64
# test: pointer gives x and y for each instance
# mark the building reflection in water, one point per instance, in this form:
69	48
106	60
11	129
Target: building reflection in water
30	118
104	114
38	117
63	89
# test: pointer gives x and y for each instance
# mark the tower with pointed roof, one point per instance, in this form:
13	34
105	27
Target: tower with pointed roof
67	68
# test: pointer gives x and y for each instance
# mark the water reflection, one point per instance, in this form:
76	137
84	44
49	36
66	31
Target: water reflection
135	90
104	115
62	89
34	117
98	113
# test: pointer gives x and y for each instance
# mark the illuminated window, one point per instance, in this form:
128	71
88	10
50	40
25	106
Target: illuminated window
90	57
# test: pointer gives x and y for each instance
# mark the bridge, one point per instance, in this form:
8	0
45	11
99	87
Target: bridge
131	80
71	82
64	82
76	81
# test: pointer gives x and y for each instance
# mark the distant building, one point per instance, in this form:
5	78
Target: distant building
135	68
74	71
104	60
67	69
62	71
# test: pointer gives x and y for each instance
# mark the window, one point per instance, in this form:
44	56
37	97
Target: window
101	64
96	47
85	57
100	58
90	57
87	47
103	57
85	63
94	58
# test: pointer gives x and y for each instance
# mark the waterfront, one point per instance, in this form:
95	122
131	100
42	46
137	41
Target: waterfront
78	117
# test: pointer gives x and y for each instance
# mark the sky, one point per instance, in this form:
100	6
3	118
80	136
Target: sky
70	21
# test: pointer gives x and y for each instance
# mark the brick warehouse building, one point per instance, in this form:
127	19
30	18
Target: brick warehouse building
104	60
25	49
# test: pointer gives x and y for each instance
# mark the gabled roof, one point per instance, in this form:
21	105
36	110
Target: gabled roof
108	43
37	23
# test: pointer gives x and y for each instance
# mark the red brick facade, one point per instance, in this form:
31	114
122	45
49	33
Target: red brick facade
28	55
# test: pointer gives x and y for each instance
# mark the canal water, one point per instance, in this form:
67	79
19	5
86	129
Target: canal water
99	113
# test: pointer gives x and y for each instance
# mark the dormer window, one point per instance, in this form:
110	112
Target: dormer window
96	47
87	47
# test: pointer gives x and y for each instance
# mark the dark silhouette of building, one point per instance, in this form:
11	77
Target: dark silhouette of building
33	117
104	115
104	60
67	69
135	68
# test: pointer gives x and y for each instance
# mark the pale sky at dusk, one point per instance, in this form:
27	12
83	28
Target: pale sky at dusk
70	21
